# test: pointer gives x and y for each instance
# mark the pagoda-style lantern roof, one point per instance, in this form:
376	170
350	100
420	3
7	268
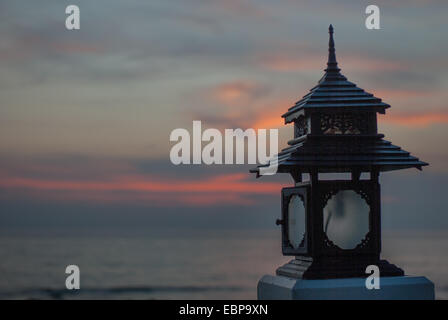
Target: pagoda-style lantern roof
335	91
335	130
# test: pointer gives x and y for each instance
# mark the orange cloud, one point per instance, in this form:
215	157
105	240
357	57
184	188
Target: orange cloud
416	120
270	116
234	92
269	122
228	189
290	64
412	120
403	94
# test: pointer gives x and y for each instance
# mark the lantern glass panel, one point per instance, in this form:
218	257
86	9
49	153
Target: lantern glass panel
346	219
296	221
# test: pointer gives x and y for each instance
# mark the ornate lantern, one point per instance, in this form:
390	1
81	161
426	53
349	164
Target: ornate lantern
333	227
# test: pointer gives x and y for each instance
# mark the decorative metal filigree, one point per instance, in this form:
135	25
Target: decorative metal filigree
363	244
344	123
365	195
302	243
300	127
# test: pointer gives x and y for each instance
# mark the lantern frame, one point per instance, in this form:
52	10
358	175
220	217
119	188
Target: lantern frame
315	242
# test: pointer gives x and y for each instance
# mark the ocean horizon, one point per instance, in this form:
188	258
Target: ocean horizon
213	264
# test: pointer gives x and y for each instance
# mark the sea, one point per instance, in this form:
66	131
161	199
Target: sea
173	264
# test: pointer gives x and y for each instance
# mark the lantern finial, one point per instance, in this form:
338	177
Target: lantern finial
332	63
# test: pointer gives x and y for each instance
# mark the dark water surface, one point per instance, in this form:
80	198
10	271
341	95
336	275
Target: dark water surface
190	265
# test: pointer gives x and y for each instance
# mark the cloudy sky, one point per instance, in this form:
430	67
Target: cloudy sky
85	116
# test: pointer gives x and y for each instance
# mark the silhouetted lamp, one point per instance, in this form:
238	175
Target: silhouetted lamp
333	227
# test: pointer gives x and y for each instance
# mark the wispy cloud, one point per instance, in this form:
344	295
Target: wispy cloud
294	63
236	92
127	189
423	119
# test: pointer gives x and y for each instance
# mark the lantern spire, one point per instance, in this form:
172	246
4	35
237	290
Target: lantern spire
332	64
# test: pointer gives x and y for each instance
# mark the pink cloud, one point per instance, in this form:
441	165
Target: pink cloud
423	119
234	92
221	189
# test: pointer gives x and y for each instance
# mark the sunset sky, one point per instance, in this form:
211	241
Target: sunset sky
85	116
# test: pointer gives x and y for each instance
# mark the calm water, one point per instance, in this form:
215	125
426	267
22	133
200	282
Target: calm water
221	265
